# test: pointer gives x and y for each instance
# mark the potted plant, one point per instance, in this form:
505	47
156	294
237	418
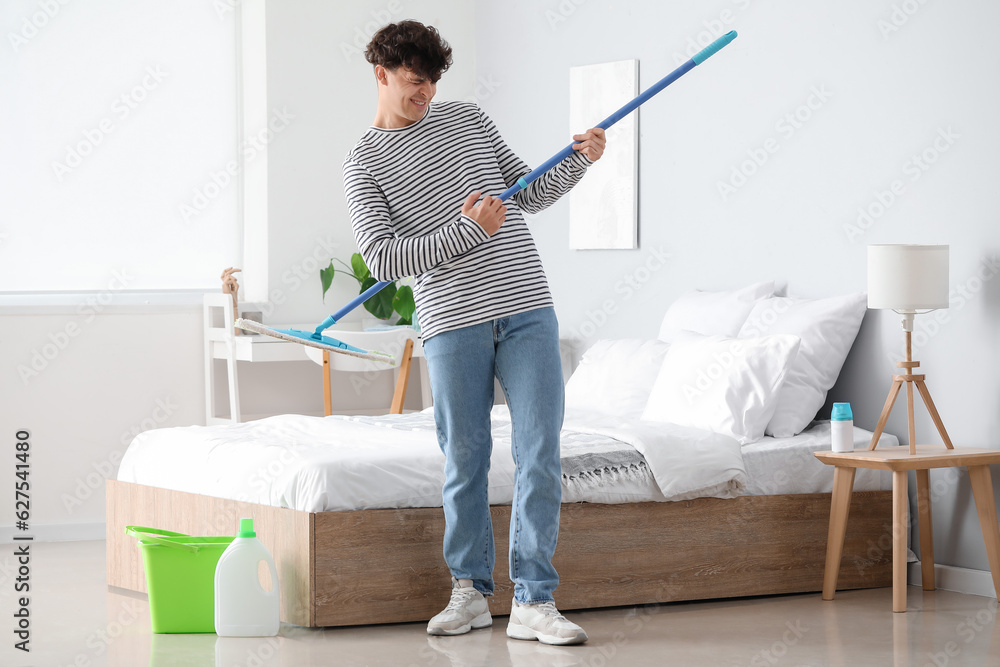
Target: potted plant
394	298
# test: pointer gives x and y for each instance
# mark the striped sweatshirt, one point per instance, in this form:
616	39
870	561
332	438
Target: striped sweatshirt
405	188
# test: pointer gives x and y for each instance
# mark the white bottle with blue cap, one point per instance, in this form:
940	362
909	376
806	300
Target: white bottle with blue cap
243	608
842	427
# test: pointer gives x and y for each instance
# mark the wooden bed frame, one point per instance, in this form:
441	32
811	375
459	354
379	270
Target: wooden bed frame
386	566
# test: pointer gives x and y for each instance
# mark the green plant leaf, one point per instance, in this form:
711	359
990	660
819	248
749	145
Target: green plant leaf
403	304
361	271
379	305
326	276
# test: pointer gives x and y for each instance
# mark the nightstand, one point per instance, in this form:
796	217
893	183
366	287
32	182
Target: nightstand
899	461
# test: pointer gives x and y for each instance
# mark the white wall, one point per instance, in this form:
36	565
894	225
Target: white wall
100	379
880	93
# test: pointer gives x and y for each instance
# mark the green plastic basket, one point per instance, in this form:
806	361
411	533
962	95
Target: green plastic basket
180	578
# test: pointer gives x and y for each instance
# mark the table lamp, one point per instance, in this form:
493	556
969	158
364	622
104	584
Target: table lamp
908	279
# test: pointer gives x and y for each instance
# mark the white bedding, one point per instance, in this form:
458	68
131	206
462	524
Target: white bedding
774	466
320	464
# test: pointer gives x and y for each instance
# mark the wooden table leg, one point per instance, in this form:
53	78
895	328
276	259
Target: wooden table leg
327	389
926	529
982	491
840	505
399	395
900	507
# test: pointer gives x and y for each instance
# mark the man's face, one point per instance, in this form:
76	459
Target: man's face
404	95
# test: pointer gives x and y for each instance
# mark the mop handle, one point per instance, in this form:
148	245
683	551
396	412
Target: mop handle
698	59
526	180
352	304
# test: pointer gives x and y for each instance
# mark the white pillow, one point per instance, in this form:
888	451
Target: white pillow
616	376
827	328
726	385
712	313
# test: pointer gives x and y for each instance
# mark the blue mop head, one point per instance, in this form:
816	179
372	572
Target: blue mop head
316	340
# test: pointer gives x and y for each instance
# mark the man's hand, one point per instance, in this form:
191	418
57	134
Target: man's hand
590	143
489	213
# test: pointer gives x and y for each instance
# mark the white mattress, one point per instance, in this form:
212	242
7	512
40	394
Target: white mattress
341	463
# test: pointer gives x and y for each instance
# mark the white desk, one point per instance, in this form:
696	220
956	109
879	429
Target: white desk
222	343
261	348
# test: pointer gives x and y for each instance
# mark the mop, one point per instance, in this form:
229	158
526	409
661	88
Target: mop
318	340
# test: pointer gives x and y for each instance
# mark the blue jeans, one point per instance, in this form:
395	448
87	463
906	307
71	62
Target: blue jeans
522	352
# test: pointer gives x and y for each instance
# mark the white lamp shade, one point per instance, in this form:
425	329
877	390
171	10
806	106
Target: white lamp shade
908	277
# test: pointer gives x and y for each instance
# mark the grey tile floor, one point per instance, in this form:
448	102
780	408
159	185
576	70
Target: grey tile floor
76	620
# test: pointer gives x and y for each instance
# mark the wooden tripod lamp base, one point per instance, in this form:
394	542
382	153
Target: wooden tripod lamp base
909	379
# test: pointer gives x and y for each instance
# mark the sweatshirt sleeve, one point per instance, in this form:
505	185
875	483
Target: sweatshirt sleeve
546	189
389	257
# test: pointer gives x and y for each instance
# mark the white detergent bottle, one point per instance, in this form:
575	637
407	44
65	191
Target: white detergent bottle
242	607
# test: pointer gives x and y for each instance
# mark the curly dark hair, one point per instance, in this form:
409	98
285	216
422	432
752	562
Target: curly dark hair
412	45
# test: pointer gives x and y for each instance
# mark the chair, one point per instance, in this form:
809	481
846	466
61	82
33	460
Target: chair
397	342
218	313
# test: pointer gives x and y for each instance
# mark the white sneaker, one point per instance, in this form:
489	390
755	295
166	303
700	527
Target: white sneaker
543	622
468	609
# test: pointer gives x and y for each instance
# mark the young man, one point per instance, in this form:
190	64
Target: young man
414	183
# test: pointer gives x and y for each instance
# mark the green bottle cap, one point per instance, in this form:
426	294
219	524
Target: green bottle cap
246	528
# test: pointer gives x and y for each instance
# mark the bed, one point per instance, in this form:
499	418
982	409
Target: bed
654	510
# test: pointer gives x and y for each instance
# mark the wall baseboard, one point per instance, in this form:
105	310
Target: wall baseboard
958	579
55	532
